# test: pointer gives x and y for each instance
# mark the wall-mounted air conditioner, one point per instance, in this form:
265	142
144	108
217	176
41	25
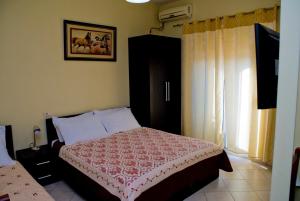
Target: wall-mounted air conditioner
175	13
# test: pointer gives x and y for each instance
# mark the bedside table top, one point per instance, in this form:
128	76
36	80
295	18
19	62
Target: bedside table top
29	155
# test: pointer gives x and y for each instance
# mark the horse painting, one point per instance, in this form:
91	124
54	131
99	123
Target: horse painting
85	42
105	43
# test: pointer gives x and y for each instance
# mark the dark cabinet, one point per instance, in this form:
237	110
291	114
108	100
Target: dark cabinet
155	81
40	164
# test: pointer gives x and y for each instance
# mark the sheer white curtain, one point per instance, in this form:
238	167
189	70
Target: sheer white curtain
219	86
202	78
244	123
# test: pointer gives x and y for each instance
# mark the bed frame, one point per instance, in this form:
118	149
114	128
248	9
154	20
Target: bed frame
9	141
190	179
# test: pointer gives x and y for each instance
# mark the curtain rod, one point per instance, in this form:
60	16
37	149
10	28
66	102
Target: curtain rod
222	17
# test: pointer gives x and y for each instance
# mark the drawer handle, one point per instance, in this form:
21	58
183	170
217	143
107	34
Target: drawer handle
42	163
44	177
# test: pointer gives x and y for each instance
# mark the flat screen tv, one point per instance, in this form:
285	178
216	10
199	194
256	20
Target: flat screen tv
267	55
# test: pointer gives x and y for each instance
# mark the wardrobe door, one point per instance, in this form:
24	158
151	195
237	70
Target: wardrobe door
173	60
139	80
159	76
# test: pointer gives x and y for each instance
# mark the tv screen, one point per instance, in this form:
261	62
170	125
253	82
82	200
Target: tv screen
267	55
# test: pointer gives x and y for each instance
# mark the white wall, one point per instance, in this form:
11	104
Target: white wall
287	99
35	79
297	131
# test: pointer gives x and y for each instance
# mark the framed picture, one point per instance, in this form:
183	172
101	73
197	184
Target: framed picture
85	41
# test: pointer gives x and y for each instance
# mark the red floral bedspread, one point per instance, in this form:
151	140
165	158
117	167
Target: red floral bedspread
128	163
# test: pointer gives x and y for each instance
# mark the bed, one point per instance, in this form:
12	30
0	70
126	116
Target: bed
16	183
177	181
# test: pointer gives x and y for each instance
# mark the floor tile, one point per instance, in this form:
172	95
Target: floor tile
254	174
262	184
50	187
237	185
245	196
62	196
62	186
218	196
217	185
263	195
231	175
198	196
77	198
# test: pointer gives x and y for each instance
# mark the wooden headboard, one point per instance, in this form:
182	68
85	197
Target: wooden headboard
9	142
51	131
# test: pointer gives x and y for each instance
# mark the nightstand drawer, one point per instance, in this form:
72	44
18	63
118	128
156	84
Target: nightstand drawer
39	163
46	179
42	163
42	168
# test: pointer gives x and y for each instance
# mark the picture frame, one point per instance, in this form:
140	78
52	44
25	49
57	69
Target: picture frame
86	41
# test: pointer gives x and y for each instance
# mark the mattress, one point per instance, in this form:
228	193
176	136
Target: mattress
128	163
20	186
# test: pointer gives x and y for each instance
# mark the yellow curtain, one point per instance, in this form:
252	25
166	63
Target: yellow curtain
219	84
261	144
263	15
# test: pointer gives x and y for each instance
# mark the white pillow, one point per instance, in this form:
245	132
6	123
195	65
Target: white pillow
80	129
100	114
2	136
5	159
55	121
122	120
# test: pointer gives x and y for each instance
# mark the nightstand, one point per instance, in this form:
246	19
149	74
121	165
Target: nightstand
40	164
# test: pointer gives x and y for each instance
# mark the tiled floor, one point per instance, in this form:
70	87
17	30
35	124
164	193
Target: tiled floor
248	182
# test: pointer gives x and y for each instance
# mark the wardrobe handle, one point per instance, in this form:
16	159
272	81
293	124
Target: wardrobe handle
166	91
169	97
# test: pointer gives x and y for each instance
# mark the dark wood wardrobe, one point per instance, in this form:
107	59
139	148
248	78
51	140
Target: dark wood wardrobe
155	81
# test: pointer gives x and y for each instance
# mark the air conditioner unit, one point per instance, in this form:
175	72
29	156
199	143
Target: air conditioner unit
175	13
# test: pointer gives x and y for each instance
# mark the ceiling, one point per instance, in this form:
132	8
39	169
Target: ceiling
162	1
